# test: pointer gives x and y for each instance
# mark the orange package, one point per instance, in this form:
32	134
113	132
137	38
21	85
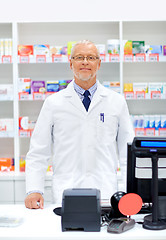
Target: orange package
25	50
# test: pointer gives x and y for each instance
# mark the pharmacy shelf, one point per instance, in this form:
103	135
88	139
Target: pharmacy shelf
59	33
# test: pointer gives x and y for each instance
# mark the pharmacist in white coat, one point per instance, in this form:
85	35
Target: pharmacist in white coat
84	142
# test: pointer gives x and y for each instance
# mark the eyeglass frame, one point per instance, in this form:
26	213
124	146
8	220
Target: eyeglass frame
83	58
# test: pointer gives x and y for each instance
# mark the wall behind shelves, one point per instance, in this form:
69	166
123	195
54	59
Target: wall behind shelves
74	10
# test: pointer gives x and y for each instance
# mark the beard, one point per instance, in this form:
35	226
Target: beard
81	76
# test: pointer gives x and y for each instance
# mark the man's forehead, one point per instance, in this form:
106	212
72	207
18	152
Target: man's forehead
89	48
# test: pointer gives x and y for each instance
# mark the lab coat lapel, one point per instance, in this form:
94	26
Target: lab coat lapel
73	98
98	96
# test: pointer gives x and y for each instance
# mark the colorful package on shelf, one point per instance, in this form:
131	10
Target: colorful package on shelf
106	84
113	46
138	121
62	84
68	81
52	86
2	51
163	121
128	87
138	47
115	86
23	123
101	48
6	91
24	85
6	164
22	164
164	88
127	47
164	50
146	121
55	50
25	50
151	121
142	87
5	47
38	86
69	46
64	50
157	122
156	49
156	86
41	50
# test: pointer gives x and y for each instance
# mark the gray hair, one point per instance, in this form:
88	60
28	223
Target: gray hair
84	42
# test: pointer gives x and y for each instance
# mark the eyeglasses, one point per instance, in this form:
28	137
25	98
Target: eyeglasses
81	58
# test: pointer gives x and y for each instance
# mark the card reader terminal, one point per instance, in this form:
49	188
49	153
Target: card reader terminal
120	225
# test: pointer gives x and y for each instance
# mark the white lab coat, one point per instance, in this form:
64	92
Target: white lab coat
85	146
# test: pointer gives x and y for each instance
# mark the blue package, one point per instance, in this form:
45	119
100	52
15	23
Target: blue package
52	86
156	49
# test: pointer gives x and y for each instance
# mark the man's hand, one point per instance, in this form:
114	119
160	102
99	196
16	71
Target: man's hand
34	201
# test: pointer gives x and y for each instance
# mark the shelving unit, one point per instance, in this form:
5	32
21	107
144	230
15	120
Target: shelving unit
59	33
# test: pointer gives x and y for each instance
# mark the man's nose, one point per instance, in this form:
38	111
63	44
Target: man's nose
85	61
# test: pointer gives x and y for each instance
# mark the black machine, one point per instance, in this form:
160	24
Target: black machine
81	210
152	190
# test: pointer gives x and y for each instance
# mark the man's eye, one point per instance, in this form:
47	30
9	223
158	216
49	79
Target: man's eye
91	58
80	57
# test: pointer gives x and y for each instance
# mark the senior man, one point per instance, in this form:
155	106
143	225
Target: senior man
84	129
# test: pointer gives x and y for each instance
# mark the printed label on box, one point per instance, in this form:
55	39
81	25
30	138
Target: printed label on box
129	95
6	59
140	57
41	58
153	57
128	58
114	57
24	59
155	94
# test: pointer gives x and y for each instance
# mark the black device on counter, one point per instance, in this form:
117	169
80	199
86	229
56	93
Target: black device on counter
152	190
120	225
81	210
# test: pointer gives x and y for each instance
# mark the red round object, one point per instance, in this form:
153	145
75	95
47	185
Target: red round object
130	204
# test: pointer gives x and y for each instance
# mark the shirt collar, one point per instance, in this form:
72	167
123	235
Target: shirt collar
80	90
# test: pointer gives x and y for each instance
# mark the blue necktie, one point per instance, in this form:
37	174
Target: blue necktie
86	101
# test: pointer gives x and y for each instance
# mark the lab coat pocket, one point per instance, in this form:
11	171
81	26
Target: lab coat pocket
107	127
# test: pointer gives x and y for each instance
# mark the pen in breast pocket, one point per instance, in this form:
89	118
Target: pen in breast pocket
102	117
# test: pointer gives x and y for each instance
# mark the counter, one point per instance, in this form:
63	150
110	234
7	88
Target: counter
43	224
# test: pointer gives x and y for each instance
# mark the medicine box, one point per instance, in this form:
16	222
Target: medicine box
25	50
52	86
156	49
38	86
138	47
24	85
156	86
127	47
164	50
101	48
140	87
41	50
55	50
6	164
23	123
113	46
69	46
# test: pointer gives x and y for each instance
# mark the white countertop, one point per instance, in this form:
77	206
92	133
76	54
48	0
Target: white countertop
44	224
8	176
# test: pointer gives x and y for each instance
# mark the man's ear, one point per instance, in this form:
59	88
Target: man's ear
71	65
99	64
